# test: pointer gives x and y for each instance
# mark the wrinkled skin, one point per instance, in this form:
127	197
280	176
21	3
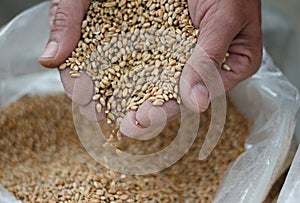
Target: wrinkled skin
226	25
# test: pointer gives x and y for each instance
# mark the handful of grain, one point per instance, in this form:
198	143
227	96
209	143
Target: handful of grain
42	160
134	51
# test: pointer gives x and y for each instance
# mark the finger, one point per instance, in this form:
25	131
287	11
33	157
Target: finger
82	98
67	81
241	68
131	128
200	81
238	33
145	119
149	120
215	40
245	57
52	12
193	92
90	112
64	31
80	90
198	10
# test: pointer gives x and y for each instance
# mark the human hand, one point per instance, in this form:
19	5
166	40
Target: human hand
65	29
225	26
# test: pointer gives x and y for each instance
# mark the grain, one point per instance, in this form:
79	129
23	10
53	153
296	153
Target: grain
42	160
127	41
226	67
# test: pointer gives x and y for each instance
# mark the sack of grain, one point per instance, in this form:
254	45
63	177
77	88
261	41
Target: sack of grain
267	98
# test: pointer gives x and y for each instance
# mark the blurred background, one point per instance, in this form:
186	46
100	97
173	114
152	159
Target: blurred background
10	8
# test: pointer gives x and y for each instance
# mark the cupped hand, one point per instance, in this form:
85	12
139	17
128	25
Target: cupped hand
65	29
225	26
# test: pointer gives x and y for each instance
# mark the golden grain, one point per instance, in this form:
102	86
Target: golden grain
50	164
132	47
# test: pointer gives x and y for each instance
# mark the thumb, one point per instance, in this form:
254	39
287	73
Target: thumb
65	27
217	28
201	78
200	81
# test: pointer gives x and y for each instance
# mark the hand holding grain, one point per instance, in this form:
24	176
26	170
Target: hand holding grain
65	24
225	26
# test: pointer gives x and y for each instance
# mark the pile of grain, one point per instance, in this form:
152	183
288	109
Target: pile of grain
42	160
133	51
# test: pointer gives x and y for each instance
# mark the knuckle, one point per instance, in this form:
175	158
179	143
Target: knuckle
54	4
61	20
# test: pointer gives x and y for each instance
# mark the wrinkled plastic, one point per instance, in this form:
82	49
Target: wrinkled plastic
271	102
267	98
281	40
290	192
21	42
6	197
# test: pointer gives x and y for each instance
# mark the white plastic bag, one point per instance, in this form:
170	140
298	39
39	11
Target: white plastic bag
267	98
21	42
6	197
272	102
282	40
290	192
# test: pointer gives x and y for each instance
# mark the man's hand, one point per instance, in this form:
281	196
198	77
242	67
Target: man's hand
65	29
225	26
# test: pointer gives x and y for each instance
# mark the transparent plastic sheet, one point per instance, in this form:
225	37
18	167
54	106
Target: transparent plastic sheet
267	98
281	40
21	42
272	103
6	197
290	192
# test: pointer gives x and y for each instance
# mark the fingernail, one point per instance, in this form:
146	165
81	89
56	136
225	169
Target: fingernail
50	50
200	97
